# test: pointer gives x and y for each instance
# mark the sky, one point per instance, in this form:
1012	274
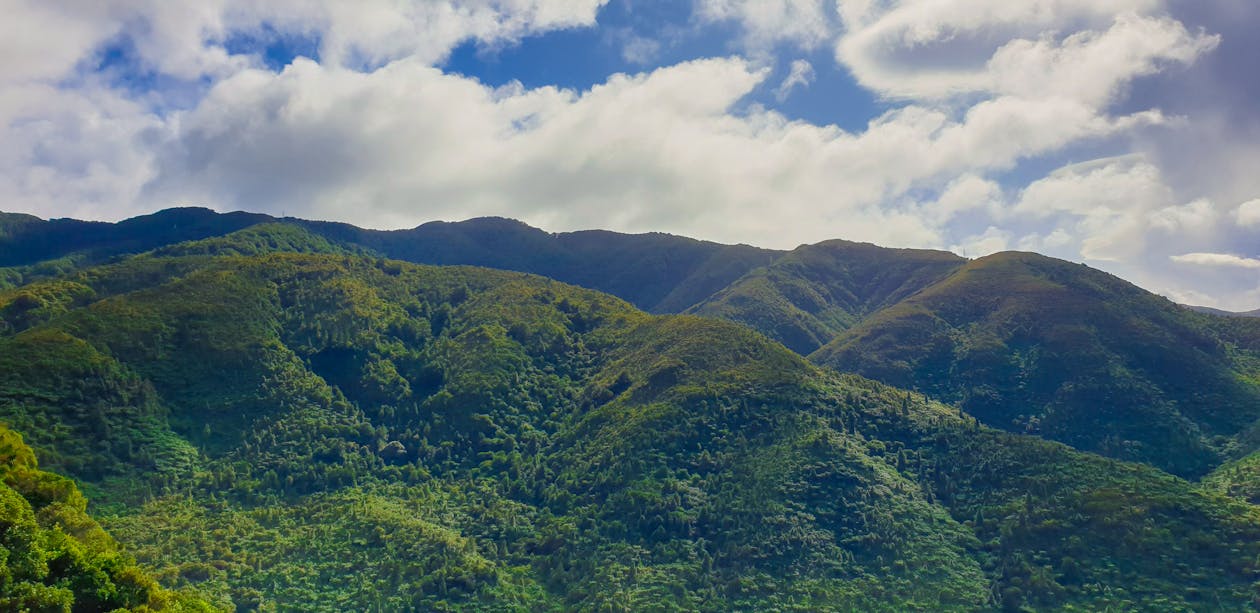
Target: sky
1124	134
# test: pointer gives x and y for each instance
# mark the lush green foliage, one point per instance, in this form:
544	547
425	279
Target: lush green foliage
813	293
327	431
1032	344
53	557
1026	344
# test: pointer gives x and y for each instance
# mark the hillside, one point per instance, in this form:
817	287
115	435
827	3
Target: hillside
28	240
808	296
1032	344
1027	344
656	272
329	431
53	557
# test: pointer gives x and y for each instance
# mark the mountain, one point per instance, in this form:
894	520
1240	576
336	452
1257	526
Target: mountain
657	272
1222	313
808	296
1025	343
1033	344
26	240
331	430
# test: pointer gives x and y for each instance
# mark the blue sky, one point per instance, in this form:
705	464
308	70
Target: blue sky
1121	133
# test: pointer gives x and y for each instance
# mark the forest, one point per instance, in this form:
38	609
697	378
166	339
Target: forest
248	414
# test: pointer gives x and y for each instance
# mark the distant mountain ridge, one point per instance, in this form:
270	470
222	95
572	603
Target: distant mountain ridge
1024	342
660	273
809	295
1222	312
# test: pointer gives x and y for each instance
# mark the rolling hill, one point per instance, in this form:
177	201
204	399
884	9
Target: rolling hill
808	296
1026	344
1038	345
269	419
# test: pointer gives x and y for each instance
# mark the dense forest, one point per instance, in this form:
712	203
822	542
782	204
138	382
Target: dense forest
274	415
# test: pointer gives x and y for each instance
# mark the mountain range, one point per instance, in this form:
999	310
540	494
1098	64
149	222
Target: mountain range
299	415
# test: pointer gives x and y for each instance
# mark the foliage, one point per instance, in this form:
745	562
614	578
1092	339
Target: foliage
811	294
1036	345
53	557
329	431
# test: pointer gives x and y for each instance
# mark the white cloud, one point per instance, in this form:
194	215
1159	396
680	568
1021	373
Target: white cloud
1216	259
637	49
1090	66
804	23
969	192
1248	213
991	241
1050	244
1109	187
1116	206
374	134
46	39
657	151
801	74
928	49
646	152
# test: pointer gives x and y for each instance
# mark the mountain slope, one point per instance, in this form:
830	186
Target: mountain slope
339	432
53	557
1032	344
25	239
1043	347
806	297
657	272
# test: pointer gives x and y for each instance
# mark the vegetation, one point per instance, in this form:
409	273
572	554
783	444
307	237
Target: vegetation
330	430
1025	343
656	272
813	293
1041	346
53	557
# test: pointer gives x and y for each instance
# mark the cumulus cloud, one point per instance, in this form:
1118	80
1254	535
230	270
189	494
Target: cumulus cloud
372	131
46	39
1115	206
658	150
662	150
766	23
924	48
1216	259
992	240
1248	213
78	145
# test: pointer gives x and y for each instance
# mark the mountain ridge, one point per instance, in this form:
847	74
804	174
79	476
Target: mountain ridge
332	431
851	306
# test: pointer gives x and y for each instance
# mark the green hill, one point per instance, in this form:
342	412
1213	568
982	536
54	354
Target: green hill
330	431
1032	344
1027	344
53	557
807	297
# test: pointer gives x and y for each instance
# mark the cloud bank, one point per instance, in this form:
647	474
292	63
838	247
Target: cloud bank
1050	125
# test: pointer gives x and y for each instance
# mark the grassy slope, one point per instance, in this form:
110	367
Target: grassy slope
465	438
806	297
1032	344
